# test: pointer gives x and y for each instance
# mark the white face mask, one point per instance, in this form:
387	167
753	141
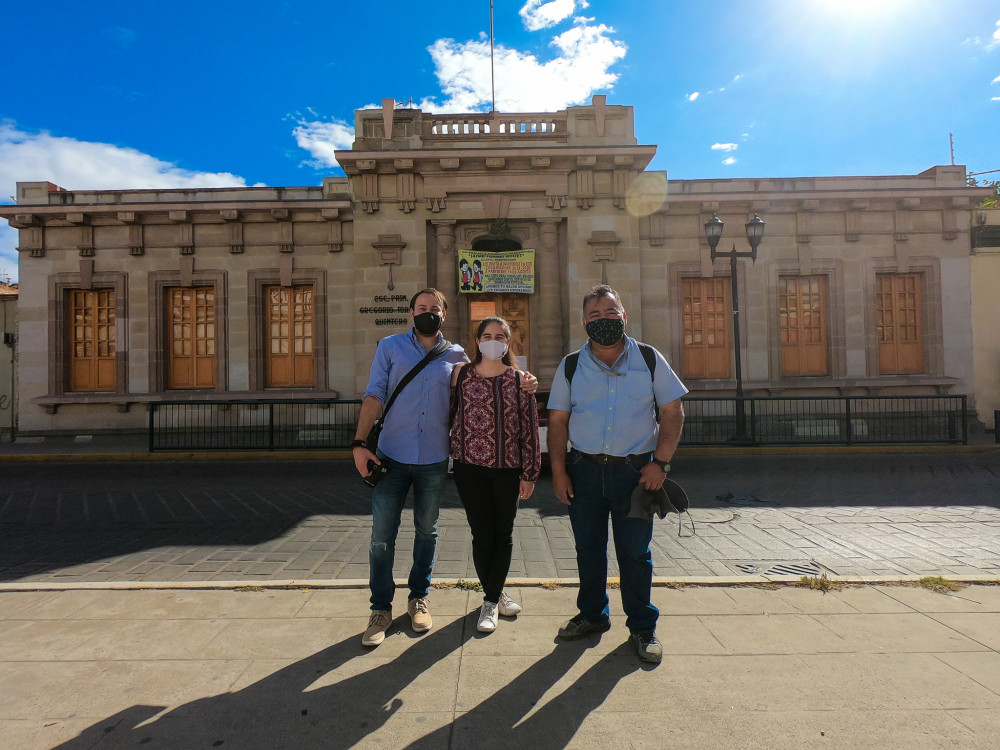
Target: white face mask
492	349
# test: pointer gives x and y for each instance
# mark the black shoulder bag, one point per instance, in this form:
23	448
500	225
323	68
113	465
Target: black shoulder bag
440	348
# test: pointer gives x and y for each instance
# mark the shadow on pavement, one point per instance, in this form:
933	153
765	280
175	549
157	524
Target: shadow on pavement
58	515
503	720
283	710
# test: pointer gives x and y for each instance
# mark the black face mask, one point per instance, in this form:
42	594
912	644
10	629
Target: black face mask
606	331
427	323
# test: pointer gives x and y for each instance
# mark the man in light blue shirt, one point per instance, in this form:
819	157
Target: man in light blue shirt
414	448
607	410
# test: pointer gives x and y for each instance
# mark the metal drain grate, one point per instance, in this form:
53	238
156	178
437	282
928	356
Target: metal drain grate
778	568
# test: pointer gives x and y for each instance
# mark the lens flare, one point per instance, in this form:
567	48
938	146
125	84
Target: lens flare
647	193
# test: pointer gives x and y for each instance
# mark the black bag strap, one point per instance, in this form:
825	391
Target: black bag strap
440	348
647	354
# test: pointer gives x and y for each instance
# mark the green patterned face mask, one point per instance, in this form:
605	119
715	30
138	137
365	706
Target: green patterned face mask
606	331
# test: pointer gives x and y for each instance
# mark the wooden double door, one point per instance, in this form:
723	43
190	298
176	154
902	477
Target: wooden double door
513	308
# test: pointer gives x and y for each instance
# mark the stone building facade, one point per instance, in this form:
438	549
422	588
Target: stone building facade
861	285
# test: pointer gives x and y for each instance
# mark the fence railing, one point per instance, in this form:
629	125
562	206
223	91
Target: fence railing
826	420
251	425
776	420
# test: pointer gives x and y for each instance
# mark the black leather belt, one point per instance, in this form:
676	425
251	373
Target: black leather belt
604	458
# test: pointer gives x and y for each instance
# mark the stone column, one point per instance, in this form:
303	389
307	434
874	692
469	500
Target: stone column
446	277
549	344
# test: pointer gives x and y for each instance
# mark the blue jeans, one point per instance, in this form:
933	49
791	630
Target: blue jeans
388	498
600	491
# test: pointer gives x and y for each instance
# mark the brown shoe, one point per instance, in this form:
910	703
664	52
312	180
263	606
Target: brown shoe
420	615
377	625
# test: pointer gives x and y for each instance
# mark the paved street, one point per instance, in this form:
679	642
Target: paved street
881	515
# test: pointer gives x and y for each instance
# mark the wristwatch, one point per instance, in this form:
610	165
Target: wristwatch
357	444
665	465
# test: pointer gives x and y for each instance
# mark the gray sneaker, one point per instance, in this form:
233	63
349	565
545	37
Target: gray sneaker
646	646
508	607
487	618
580	626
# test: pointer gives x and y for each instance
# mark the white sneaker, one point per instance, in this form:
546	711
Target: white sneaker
508	607
487	618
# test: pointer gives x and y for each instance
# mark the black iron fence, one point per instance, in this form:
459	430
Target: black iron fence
825	420
251	425
777	420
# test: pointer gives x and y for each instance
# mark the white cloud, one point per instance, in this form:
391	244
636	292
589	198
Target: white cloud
584	54
121	36
996	37
995	99
995	80
321	139
724	147
523	82
84	165
692	97
543	14
731	160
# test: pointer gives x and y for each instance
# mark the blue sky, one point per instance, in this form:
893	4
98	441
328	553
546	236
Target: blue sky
143	93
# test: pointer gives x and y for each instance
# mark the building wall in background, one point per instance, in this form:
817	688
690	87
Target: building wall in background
571	185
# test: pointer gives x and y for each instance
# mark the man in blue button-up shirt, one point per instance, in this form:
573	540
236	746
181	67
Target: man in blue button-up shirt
414	447
608	414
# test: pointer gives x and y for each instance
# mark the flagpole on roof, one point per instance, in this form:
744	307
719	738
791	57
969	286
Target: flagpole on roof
493	88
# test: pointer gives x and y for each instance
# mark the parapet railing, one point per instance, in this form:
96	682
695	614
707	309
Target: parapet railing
533	125
825	420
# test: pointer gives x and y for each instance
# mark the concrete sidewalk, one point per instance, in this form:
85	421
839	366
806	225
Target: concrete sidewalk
258	669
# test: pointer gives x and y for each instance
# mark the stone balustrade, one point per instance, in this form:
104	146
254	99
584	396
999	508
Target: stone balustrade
533	126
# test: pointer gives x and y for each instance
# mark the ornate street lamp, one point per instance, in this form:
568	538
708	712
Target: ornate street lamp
755	233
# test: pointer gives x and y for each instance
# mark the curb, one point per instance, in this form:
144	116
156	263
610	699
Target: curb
449	583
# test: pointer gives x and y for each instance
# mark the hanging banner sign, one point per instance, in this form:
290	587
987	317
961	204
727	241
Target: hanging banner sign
509	271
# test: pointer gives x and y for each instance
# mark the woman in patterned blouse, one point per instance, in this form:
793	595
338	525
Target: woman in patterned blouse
497	459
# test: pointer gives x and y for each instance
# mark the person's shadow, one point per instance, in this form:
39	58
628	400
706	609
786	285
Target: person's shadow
280	712
502	720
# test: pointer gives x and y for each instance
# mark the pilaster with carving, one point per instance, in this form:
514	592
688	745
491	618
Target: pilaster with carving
550	347
445	276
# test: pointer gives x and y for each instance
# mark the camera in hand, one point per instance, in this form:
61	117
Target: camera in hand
377	472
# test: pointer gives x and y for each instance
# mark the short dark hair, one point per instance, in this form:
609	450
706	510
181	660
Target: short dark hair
599	292
429	290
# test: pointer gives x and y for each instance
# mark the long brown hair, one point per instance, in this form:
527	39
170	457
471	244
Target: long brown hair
508	358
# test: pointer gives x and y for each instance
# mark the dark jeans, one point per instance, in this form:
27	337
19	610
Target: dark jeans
388	498
490	499
601	491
